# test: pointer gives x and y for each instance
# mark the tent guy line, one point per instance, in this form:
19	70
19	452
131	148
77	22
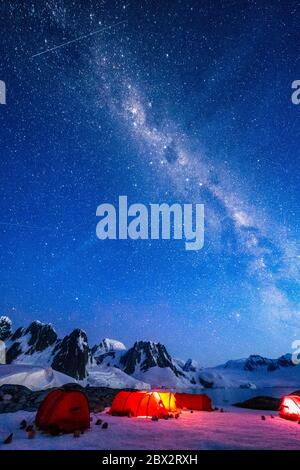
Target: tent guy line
98	31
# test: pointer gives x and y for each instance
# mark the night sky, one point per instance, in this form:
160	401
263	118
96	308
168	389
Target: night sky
177	101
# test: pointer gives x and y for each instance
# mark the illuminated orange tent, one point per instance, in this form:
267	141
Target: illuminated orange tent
143	404
199	402
290	407
63	411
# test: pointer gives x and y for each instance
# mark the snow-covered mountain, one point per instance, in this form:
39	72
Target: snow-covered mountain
146	364
151	362
144	355
107	345
254	371
31	345
38	344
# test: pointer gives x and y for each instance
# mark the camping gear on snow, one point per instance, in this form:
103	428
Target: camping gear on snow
9	439
290	407
23	424
63	411
143	404
31	434
198	402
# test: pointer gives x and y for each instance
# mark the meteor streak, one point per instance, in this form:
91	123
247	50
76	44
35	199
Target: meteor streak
77	39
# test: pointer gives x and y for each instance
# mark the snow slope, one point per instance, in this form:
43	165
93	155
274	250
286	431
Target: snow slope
32	377
103	376
41	378
159	377
233	429
39	358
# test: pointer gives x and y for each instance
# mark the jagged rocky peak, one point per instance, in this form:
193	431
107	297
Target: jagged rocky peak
282	361
146	354
34	339
190	366
41	336
254	361
286	360
5	328
71	355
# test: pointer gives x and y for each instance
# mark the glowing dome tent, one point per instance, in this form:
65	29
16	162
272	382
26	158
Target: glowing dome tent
63	411
191	401
290	407
143	404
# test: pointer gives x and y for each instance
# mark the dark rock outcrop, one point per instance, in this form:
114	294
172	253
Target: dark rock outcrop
41	336
260	403
100	359
70	356
24	399
206	383
144	355
13	352
189	366
282	361
254	362
5	328
34	339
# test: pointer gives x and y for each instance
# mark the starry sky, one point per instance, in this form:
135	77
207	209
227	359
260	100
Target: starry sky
176	101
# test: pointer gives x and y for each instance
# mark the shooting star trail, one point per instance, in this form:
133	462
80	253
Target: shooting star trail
7	224
77	39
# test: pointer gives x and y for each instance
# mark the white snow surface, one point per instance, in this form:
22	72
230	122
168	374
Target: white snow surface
41	378
103	376
33	377
159	377
108	345
82	344
233	429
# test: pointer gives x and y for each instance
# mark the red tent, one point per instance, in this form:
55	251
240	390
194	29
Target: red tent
192	401
143	404
63	411
290	407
